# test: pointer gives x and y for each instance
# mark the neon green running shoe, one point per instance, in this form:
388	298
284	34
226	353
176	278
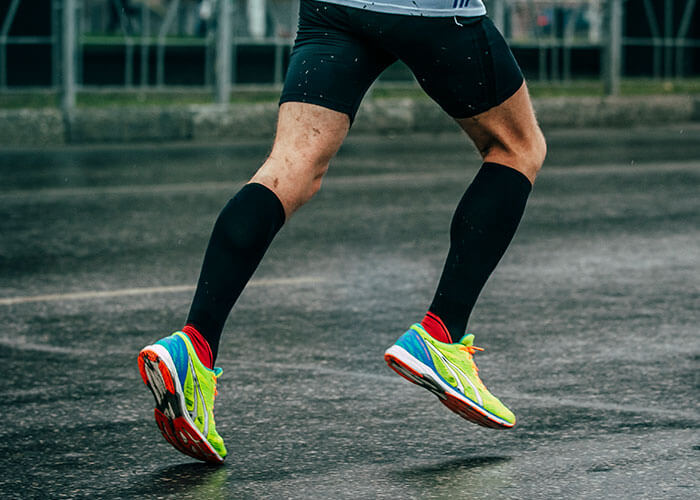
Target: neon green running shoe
449	372
184	390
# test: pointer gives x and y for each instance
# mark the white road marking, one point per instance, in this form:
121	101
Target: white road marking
99	294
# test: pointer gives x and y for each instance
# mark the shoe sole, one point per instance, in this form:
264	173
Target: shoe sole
413	370
158	373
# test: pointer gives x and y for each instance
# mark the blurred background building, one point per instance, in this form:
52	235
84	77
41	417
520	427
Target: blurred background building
159	43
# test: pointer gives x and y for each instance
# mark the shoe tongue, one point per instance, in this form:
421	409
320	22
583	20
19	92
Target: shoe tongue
467	339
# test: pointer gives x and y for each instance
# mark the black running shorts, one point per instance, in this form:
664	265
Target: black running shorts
464	64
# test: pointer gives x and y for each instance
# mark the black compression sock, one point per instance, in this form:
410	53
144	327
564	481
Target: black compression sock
482	227
241	235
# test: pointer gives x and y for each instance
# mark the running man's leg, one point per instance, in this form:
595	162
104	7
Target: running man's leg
435	354
179	369
468	69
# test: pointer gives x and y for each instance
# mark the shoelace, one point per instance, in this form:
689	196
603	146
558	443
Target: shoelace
470	350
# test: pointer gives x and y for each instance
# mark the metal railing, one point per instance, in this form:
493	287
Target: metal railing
144	31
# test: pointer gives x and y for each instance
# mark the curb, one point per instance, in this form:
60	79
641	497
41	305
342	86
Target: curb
211	123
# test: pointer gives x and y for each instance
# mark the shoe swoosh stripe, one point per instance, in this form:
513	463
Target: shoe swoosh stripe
197	394
193	412
450	365
206	413
460	385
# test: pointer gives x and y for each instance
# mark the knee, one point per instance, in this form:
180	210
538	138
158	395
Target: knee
525	153
294	179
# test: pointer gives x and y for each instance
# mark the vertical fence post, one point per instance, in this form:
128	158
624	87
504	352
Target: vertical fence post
686	19
223	53
68	57
145	34
613	49
668	39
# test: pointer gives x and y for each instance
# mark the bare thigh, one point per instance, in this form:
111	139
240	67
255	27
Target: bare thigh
508	134
308	136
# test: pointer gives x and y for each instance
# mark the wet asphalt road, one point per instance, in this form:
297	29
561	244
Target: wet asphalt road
590	324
